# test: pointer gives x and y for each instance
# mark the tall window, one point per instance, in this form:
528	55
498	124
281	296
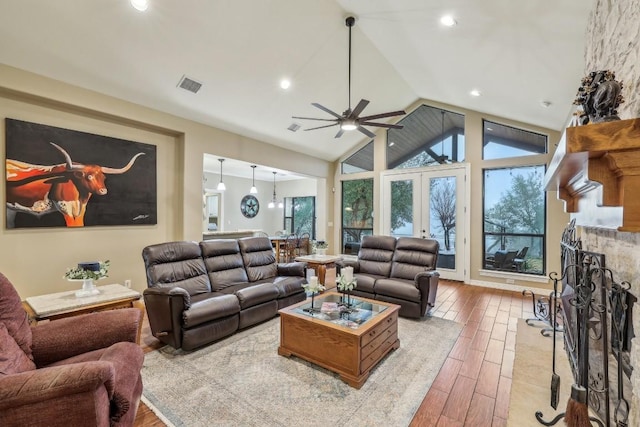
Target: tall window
357	213
500	141
300	215
430	136
514	219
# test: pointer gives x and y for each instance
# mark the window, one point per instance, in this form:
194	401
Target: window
430	136
361	161
500	142
357	213
514	219
300	215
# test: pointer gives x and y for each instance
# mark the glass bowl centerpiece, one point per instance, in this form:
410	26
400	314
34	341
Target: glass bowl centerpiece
88	273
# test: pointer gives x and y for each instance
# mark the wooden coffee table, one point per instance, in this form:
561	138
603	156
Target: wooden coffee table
349	344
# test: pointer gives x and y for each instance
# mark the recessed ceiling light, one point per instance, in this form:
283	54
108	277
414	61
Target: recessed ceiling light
391	143
448	21
141	5
475	92
489	129
285	83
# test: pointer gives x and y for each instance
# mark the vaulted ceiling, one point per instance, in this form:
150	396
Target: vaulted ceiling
518	54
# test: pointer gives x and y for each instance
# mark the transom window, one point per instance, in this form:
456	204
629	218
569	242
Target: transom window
360	161
501	141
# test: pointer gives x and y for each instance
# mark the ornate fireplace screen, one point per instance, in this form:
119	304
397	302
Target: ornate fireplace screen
595	308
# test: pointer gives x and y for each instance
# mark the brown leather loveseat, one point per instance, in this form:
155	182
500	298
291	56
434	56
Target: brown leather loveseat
400	271
201	292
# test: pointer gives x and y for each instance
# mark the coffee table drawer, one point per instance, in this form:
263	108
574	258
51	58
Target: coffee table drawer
379	340
378	353
379	328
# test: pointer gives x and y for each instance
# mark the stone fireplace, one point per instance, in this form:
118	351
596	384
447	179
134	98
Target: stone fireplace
612	41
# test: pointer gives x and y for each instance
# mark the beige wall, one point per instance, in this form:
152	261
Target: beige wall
556	218
35	260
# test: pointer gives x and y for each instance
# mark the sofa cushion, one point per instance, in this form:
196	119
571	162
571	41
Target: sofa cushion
258	257
412	256
12	359
176	264
289	285
257	294
399	288
224	263
375	255
14	317
215	307
365	282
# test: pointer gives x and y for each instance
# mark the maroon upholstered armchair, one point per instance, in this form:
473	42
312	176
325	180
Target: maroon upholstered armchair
78	371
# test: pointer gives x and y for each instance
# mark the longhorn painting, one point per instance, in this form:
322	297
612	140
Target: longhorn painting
64	178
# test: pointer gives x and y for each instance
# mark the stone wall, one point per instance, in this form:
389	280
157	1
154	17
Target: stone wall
613	43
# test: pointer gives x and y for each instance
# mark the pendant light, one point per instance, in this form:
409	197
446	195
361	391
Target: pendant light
253	190
274	200
221	186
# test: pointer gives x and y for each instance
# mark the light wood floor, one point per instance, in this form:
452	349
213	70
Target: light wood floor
474	384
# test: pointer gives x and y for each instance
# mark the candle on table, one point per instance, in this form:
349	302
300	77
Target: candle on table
313	281
348	273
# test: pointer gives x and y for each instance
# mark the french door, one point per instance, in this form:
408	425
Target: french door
430	204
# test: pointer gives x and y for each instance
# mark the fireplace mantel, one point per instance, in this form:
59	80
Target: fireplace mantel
601	160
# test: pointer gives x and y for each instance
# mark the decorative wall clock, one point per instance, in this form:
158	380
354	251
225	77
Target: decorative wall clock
249	206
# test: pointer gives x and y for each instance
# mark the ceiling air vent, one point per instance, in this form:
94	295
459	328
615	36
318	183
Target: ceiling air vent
294	127
189	84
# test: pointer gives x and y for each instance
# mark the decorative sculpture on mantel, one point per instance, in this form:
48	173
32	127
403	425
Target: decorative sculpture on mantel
599	95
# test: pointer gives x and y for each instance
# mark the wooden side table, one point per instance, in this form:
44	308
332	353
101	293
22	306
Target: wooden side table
65	304
321	264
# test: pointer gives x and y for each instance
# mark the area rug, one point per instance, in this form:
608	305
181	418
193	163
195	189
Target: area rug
242	381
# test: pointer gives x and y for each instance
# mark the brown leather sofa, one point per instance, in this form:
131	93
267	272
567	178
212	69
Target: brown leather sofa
201	292
400	271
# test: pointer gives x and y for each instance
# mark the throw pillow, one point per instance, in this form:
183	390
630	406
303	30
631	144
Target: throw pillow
12	358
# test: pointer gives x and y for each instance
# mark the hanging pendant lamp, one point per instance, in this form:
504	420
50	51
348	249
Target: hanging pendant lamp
274	200
253	190
221	186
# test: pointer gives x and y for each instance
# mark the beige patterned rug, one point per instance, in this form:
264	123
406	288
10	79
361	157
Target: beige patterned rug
241	381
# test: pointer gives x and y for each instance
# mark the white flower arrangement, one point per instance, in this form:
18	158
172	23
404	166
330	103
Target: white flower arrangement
320	244
313	286
79	273
347	282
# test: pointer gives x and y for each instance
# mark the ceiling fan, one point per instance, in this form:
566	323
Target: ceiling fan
350	119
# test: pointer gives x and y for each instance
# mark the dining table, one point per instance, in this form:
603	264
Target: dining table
277	242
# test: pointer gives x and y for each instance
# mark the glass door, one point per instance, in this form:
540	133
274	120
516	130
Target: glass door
429	204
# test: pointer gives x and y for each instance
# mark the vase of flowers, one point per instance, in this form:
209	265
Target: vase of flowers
320	247
88	273
346	284
313	287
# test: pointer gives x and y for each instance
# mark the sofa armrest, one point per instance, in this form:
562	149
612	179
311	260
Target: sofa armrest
68	337
341	263
292	269
165	308
44	384
427	283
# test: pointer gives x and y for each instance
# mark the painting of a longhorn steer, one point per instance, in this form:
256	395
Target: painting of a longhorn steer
64	188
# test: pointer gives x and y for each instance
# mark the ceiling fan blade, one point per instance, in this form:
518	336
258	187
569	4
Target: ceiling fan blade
313	118
356	111
382	125
321	127
326	110
383	115
367	132
339	134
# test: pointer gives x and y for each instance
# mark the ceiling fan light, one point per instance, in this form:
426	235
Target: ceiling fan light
349	125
